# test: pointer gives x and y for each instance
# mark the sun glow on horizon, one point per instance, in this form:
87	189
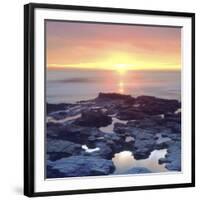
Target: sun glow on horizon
112	47
120	62
90	66
121	68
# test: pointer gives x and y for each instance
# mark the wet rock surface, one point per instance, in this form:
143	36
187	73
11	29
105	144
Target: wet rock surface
149	124
93	118
61	148
156	106
82	166
138	170
50	108
173	157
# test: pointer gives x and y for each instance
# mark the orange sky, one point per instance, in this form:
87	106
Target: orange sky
115	47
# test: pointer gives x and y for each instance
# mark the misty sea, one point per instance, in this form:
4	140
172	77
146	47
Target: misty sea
72	85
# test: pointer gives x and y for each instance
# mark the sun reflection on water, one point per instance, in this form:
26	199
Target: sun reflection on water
125	160
121	87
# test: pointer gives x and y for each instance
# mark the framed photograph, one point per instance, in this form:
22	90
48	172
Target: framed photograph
108	99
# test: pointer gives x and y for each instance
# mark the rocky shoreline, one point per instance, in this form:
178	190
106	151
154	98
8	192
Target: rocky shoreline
76	145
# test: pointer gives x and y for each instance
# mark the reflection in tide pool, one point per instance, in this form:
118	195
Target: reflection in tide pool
125	161
88	150
109	128
66	119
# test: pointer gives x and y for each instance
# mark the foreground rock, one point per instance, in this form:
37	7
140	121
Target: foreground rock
173	157
131	114
72	132
104	151
56	107
53	173
149	124
145	133
57	149
76	166
144	145
138	170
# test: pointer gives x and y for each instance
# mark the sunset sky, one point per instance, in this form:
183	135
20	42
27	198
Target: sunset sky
115	47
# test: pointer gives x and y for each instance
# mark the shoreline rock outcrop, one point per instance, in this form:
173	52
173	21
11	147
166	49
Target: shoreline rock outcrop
149	124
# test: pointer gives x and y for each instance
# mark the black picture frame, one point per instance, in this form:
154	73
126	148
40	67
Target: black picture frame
29	69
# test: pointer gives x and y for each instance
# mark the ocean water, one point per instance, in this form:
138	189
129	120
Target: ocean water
72	85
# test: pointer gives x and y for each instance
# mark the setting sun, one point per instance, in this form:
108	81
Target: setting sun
121	68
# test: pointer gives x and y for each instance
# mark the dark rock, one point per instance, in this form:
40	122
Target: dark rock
93	118
173	157
57	149
109	144
142	133
174	166
171	117
162	145
120	128
156	125
131	114
56	107
77	166
175	137
138	170
72	132
58	115
53	129
112	136
163	160
145	99
115	142
174	126
104	151
53	173
143	146
154	106
142	153
114	96
147	116
162	142
146	123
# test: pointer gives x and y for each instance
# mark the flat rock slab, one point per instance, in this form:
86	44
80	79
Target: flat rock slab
76	166
93	118
173	157
57	149
138	170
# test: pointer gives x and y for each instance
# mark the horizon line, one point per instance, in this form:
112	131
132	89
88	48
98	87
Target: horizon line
110	69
